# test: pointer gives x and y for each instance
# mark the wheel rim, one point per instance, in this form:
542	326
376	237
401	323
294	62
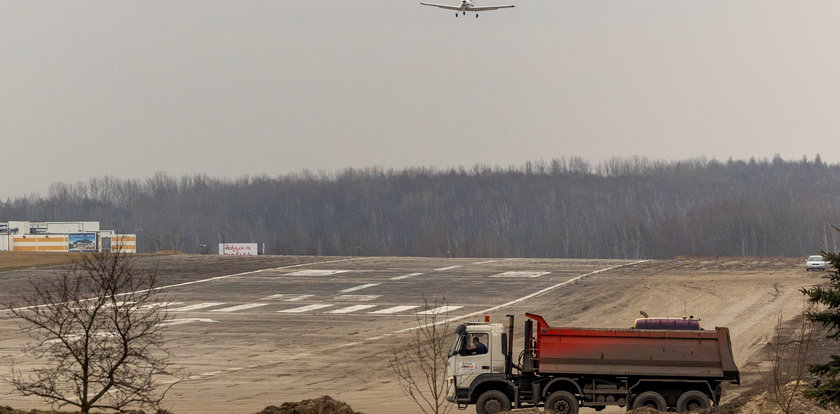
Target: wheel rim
493	406
650	403
561	407
694	405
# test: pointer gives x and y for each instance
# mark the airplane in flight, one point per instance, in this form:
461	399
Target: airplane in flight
466	6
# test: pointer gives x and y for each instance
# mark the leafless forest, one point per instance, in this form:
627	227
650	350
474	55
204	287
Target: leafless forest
568	207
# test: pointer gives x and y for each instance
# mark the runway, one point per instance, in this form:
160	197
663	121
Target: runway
259	331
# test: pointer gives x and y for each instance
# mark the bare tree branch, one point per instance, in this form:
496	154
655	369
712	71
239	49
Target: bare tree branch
420	366
98	330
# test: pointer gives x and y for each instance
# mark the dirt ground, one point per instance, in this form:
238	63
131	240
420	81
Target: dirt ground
743	294
278	360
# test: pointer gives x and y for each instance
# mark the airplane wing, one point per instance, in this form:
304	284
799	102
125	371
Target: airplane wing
478	9
442	6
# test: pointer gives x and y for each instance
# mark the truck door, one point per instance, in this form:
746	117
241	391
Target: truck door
474	359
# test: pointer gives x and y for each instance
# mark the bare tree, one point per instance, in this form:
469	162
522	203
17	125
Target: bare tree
97	334
788	352
420	366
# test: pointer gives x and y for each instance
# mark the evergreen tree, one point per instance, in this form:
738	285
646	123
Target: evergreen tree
828	392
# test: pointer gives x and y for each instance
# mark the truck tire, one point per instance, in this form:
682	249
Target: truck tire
492	402
651	399
561	402
692	400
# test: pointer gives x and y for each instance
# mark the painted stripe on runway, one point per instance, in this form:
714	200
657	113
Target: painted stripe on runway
240	307
521	274
297	298
352	308
316	272
447	268
184	321
165	305
405	276
286	298
357	298
485	262
439	310
211	279
526	297
273	297
198	306
395	309
353	289
306	308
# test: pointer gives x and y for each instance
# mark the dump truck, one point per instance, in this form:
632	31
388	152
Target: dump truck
564	369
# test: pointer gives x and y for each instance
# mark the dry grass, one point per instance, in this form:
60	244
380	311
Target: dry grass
23	260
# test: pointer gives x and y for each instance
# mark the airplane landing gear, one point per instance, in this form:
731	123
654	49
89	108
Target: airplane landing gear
456	14
476	15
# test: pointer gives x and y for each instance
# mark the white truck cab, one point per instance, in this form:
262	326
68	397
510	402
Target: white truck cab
467	366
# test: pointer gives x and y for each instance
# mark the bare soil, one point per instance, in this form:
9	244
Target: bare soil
744	294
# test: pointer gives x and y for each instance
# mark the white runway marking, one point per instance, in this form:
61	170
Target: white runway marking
315	272
273	297
353	289
184	321
357	298
526	297
439	310
286	298
447	268
198	306
485	262
306	308
210	279
395	309
240	307
352	308
405	276
166	305
297	298
521	274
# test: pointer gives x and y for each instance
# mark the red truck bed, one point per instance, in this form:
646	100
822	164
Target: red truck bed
631	352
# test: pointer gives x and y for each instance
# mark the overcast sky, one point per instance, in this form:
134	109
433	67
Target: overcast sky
228	88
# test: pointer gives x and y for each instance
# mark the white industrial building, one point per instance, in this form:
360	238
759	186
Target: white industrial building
63	236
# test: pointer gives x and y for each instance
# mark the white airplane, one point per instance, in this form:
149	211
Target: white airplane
466	6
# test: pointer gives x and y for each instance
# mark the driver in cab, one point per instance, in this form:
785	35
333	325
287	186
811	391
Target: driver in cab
477	348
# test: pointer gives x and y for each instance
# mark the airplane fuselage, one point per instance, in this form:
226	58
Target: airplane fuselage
466	6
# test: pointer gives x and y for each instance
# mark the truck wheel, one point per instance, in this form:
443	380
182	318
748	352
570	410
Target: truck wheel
492	402
692	400
561	402
650	399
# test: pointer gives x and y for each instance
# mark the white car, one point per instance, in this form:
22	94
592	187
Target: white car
815	263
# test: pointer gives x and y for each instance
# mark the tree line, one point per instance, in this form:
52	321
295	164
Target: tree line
567	207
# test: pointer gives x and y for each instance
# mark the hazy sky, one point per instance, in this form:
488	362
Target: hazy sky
228	88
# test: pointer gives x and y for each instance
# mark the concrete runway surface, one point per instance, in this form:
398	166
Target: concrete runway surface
258	331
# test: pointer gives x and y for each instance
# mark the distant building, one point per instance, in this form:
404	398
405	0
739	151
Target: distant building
63	236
